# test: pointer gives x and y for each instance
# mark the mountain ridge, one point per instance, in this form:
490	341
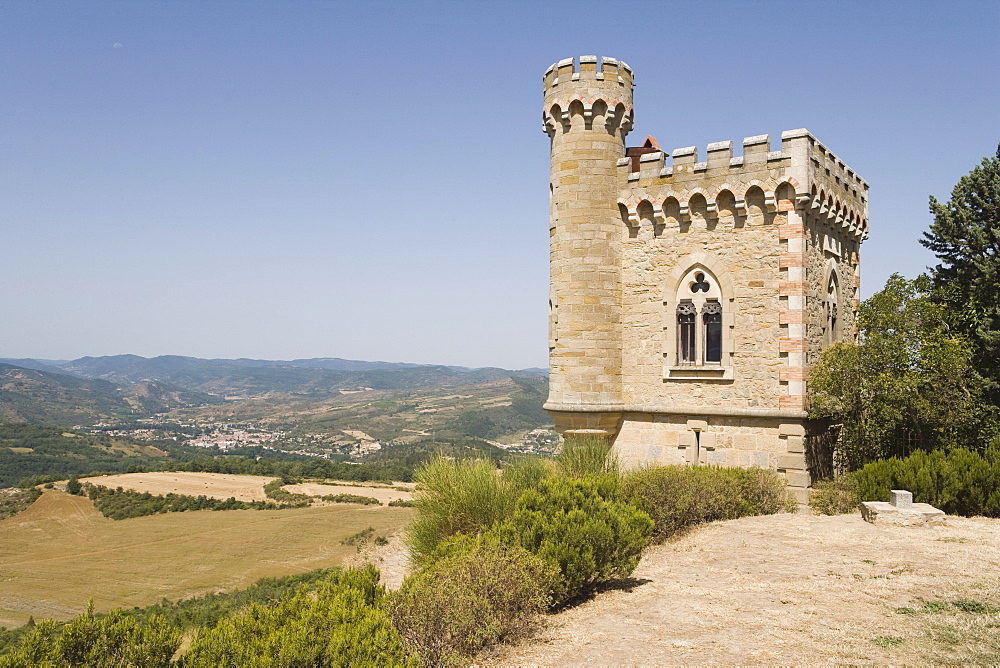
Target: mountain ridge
132	386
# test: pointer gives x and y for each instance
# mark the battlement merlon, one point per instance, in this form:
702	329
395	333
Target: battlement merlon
823	183
588	68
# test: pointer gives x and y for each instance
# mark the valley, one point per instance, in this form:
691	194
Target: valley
319	408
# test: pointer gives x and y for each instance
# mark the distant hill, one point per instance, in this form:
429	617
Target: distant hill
33	396
90	388
247	377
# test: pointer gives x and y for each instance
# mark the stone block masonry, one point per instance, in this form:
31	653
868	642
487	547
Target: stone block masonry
689	297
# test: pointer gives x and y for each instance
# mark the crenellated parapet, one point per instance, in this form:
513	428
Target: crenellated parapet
671	187
588	68
586	91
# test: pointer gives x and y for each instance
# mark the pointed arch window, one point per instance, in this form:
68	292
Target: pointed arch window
830	310
699	320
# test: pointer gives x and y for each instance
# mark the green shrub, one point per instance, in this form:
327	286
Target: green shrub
526	472
582	455
14	500
73	486
835	497
342	623
458	496
121	504
959	482
359	537
402	503
112	640
678	497
352	498
577	526
207	610
476	593
35	647
274	490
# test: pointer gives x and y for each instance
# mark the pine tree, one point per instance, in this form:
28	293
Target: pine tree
965	236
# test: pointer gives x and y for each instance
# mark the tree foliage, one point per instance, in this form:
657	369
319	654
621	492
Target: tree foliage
906	384
965	236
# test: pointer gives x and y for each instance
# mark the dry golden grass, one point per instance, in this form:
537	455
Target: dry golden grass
213	485
380	492
61	552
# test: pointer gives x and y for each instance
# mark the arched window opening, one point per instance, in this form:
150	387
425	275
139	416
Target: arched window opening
830	308
699	340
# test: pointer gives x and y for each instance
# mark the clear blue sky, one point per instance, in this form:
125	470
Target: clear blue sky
369	180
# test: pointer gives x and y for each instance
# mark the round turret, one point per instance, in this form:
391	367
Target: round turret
587	114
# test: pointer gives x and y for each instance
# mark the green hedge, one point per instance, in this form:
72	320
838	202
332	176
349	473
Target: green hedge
959	482
123	504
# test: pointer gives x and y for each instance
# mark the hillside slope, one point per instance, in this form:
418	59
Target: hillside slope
40	397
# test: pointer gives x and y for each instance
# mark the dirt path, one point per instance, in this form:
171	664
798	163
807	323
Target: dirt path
787	589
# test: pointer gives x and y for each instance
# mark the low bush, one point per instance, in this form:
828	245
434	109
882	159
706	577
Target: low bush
351	498
586	455
342	623
273	490
121	504
959	482
402	503
360	537
112	640
678	497
577	526
207	610
458	496
835	497
476	593
14	500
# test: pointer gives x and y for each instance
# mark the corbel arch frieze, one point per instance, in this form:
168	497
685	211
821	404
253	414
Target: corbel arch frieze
711	209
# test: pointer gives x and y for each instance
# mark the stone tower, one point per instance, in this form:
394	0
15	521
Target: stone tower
588	113
689	297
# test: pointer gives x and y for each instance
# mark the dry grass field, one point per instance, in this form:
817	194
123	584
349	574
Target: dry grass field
213	485
61	552
381	492
242	487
